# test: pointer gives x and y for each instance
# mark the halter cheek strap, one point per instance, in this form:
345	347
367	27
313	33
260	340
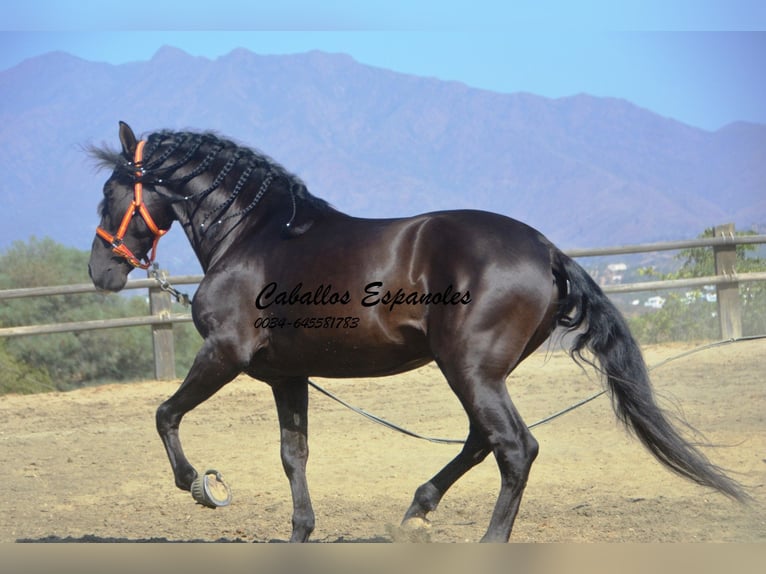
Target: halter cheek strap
136	206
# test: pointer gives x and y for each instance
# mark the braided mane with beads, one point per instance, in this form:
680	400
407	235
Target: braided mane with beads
169	152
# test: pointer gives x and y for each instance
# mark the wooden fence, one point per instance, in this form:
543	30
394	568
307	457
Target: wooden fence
726	281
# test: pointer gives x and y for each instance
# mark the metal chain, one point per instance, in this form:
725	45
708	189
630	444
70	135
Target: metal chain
165	285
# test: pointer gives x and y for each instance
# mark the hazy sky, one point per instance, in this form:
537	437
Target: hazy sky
702	62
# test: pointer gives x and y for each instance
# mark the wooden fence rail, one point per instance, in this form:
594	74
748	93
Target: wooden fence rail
161	320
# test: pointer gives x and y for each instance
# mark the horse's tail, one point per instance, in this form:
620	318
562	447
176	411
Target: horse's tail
604	332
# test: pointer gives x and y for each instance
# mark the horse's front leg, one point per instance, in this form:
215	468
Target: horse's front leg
211	371
292	401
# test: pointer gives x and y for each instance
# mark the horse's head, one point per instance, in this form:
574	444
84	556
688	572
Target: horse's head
133	217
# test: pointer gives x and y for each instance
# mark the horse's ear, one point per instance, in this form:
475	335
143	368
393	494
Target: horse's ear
128	141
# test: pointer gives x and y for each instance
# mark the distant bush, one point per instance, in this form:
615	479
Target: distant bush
18	377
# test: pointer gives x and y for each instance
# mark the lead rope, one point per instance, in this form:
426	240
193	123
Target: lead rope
547	419
384	422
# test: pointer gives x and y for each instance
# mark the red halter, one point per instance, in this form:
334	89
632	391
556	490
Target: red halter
137	205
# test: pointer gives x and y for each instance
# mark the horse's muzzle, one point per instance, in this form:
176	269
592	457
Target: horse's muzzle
113	278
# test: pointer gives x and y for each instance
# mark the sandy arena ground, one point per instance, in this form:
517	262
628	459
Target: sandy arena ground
88	466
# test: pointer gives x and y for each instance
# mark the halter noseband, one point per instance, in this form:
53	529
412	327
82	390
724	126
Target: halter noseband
136	206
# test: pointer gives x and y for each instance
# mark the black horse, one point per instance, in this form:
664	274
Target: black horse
294	288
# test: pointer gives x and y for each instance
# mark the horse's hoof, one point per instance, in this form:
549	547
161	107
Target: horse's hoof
416	523
210	490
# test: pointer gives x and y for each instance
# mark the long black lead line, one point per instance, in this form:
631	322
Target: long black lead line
393	426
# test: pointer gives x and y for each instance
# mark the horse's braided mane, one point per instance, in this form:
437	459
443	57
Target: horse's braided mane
203	148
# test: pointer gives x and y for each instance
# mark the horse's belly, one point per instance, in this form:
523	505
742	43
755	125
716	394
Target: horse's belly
329	351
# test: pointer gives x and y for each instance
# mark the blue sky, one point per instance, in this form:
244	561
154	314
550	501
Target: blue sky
698	61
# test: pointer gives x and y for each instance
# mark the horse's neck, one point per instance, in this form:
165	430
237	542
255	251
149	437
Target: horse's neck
214	223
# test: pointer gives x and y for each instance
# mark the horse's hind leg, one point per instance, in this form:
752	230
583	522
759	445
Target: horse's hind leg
207	375
291	397
494	416
496	426
478	379
428	495
515	450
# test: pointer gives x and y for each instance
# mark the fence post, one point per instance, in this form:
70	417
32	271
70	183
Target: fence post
162	335
727	294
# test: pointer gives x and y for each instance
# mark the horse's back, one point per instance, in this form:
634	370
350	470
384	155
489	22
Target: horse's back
480	241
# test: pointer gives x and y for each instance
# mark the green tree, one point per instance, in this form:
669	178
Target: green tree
67	360
690	315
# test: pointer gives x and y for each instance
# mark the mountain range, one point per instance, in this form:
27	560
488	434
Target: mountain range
587	171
